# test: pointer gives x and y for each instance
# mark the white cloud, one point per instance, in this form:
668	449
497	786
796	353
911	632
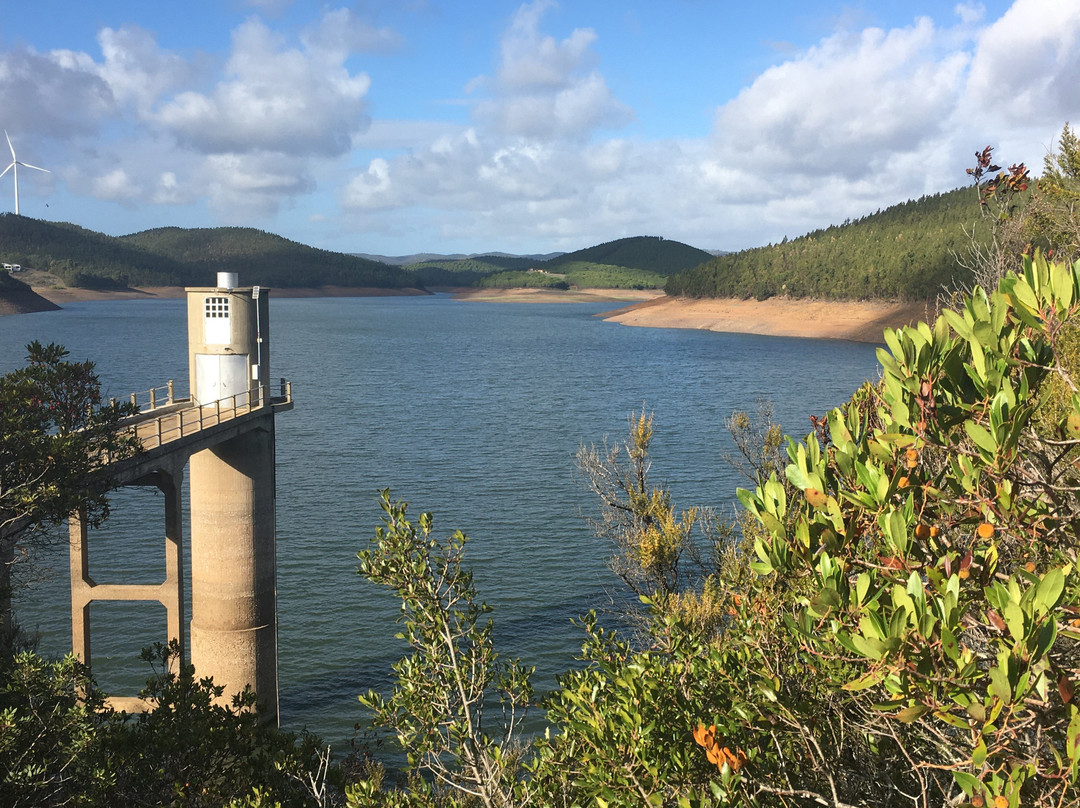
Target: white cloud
1027	64
845	107
275	98
242	186
115	186
544	88
58	94
862	120
136	70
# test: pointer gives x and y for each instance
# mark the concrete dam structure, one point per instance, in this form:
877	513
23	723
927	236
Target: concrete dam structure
223	435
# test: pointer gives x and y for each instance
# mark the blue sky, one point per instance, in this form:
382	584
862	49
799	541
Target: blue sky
405	126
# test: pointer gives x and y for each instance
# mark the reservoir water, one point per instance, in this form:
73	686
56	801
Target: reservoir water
470	410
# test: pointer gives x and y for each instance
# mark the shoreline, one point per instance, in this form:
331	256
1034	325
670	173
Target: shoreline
858	321
853	320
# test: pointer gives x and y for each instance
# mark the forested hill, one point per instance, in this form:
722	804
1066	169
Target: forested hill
649	253
173	256
640	262
905	251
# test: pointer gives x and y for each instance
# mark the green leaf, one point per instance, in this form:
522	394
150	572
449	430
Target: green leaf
911	714
1050	588
969	783
978	755
868	680
983	439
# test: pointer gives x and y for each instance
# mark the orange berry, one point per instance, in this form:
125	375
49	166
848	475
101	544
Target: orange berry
1001	802
985	530
934	531
922	531
977	801
963	574
911	457
902	482
1030	566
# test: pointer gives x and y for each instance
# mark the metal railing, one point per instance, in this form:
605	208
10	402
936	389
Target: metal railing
155	397
161	421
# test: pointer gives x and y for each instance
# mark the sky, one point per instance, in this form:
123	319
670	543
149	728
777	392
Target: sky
396	127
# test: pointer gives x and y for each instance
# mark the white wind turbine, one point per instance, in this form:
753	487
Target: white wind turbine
14	169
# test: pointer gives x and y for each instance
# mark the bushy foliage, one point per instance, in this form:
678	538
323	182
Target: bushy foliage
60	745
933	537
453	678
54	432
898	624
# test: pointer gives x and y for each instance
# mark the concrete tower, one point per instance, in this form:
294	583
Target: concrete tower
233	591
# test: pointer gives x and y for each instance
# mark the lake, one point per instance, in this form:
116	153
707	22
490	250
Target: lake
470	410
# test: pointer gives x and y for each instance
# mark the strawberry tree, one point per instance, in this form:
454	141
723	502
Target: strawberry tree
931	529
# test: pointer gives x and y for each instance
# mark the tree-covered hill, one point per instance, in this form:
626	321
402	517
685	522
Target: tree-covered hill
648	253
907	251
174	256
82	257
450	271
263	258
638	262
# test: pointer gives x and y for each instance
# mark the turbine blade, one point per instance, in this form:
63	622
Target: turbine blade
6	170
13	158
27	165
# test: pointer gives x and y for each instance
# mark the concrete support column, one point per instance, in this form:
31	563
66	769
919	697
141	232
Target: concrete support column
173	588
233	565
81	585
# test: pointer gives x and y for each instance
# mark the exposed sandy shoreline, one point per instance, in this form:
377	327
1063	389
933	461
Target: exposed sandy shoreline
860	321
555	295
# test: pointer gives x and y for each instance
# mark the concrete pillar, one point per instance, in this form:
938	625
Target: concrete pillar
173	588
233	589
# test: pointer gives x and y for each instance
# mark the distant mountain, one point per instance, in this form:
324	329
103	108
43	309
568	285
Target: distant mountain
173	256
640	262
435	258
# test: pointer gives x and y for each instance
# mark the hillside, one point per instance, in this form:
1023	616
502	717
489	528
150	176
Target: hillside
173	256
906	251
640	262
18	298
649	253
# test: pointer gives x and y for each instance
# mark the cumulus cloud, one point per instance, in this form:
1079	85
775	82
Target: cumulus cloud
863	119
53	93
244	132
241	186
135	69
1026	65
845	106
276	98
545	88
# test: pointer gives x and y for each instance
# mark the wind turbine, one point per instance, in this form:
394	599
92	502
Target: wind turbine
14	169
